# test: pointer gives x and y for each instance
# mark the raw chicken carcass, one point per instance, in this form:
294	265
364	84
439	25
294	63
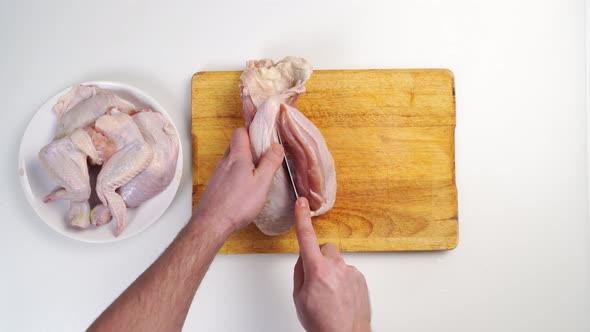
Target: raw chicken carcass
162	137
269	95
65	160
133	155
83	105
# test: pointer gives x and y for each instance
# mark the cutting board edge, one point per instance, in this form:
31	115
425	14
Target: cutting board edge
441	69
442	244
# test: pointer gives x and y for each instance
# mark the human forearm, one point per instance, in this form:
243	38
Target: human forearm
160	298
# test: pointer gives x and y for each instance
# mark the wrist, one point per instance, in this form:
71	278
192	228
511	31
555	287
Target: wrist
364	327
215	227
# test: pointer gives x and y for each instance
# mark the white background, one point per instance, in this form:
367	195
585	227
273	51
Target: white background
523	261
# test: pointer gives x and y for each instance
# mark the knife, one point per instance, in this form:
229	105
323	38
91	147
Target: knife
286	162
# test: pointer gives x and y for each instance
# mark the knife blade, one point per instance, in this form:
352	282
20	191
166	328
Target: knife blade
287	167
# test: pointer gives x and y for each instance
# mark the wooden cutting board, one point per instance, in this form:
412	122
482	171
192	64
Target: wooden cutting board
391	133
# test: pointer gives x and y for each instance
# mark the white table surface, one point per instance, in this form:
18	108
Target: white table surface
523	261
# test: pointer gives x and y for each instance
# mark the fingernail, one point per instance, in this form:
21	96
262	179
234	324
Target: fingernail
302	202
277	149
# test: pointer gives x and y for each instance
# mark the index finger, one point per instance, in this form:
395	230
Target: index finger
240	141
308	242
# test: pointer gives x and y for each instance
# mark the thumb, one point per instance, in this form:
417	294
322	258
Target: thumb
269	163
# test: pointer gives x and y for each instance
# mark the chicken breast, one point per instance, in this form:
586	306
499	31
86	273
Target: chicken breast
269	95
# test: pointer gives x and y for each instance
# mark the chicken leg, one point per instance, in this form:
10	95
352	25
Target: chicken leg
65	160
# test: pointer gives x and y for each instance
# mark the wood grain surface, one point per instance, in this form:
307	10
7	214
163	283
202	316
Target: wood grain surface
391	133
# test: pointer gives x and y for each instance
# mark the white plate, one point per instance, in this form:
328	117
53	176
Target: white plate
36	183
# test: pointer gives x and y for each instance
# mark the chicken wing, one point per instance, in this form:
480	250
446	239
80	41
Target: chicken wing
133	155
162	137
